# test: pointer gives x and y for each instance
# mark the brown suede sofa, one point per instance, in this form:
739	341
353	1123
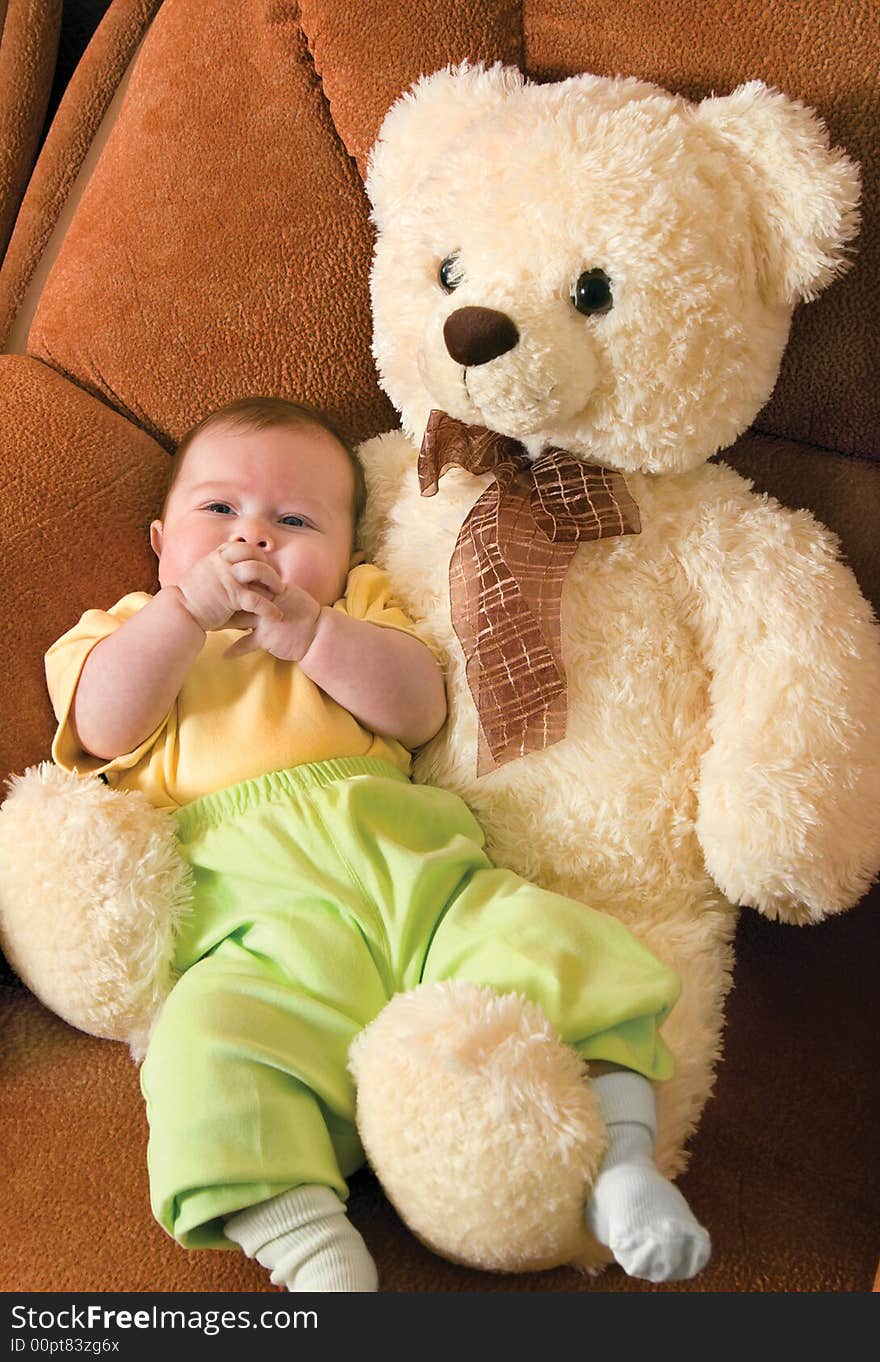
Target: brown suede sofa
195	230
29	33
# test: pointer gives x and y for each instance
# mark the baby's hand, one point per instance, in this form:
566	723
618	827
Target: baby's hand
231	579
287	635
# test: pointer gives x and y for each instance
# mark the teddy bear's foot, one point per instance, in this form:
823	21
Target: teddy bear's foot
91	890
481	1126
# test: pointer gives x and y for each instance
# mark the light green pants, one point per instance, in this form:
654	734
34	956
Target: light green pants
319	893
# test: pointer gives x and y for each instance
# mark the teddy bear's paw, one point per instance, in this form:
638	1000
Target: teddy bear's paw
481	1126
91	890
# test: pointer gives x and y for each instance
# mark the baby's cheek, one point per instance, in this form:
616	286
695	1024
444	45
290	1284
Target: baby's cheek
319	572
172	566
181	552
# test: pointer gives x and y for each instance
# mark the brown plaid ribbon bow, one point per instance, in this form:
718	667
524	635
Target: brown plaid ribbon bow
507	571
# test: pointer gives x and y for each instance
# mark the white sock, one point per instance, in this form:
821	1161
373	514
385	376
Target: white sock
306	1239
633	1209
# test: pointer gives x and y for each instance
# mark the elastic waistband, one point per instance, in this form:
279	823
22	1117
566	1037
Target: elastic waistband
214	808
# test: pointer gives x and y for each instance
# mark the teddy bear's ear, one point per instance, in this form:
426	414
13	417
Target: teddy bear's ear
805	193
424	120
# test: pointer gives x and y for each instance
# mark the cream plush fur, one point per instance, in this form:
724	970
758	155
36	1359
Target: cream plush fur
723	669
91	892
723	744
485	1127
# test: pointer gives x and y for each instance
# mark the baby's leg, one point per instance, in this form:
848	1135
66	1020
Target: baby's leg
240	1146
250	1100
304	1237
633	1209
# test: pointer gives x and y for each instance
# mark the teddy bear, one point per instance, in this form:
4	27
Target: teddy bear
663	689
597	271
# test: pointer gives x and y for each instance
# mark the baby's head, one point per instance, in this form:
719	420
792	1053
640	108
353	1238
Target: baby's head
274	474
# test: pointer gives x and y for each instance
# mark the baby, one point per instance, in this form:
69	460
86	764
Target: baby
271	693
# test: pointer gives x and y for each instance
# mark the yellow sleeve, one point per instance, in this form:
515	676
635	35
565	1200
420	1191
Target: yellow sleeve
368	596
64	663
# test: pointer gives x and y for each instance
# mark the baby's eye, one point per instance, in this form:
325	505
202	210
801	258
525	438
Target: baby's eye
296	521
219	508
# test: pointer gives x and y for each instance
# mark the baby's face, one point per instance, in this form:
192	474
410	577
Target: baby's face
287	492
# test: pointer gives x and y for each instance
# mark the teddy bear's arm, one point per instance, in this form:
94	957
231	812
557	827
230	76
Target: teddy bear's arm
385	461
789	795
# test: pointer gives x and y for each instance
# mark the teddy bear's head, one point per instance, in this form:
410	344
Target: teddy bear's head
598	264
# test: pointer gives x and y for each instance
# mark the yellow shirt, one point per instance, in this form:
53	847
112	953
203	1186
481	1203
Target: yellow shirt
233	719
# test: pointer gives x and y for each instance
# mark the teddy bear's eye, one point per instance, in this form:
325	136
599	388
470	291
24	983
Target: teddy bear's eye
592	293
449	273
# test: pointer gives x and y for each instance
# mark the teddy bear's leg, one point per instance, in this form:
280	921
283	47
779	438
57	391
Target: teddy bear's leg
488	1138
481	1127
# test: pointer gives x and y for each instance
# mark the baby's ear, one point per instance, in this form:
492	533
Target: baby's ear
156	533
805	193
424	120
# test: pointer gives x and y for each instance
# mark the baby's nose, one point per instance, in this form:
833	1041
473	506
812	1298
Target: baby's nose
255	532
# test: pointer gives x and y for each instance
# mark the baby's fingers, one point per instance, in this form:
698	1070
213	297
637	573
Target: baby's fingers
246	644
252	572
254	603
238	551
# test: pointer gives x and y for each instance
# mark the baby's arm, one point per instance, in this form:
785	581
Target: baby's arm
131	679
386	678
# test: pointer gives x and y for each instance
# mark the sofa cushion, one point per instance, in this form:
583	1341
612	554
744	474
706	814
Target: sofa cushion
350	46
221	246
28	43
68	142
80	487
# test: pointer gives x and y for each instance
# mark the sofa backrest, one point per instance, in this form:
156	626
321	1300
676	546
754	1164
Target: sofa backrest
222	245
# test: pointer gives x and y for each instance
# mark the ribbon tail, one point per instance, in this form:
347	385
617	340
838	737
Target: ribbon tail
516	680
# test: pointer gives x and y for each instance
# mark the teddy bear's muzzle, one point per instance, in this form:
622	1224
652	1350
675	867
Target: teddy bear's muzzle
476	335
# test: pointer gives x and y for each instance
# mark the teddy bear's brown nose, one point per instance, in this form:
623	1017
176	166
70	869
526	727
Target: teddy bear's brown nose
474	335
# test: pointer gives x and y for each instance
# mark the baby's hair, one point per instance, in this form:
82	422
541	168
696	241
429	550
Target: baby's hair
265	413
